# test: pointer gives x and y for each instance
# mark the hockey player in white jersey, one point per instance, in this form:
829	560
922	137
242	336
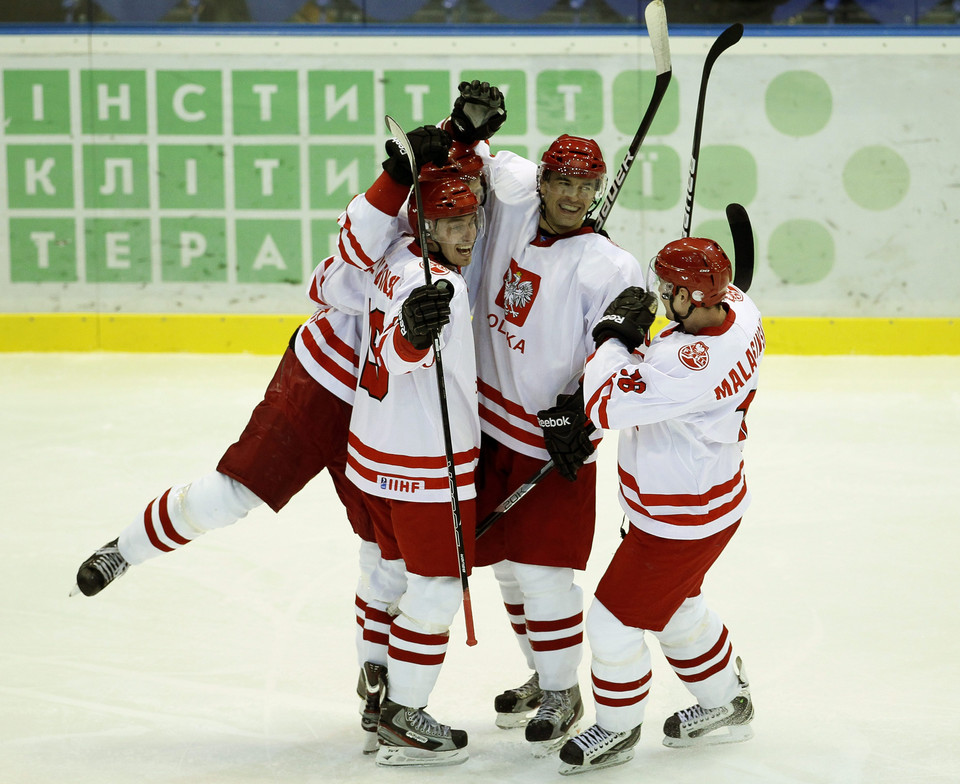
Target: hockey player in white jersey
369	225
680	403
397	458
547	276
298	429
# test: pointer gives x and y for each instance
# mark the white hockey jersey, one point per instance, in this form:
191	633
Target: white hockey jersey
396	447
539	299
327	346
328	343
680	405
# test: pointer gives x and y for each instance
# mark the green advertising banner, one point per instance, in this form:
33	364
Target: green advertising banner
197	174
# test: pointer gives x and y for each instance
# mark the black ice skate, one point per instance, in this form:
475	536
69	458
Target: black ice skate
597	748
698	726
515	705
411	736
556	720
99	570
371	689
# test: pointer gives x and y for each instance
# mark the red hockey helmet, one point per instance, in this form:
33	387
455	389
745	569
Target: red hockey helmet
461	161
698	265
448	198
574	156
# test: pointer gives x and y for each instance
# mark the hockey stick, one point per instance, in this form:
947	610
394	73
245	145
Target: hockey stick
401	137
743	252
724	41
655	17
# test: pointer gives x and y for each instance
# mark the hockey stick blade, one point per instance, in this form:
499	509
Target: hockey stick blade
743	250
394	127
656	19
724	41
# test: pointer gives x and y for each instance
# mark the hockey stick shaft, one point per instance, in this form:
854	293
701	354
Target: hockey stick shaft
401	137
656	18
724	41
508	503
511	500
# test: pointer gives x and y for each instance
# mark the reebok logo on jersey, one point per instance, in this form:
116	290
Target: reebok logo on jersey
563	421
399	484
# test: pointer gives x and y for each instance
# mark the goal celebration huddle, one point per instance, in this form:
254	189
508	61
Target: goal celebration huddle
476	333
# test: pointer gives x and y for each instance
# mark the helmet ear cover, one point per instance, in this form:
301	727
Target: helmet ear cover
699	265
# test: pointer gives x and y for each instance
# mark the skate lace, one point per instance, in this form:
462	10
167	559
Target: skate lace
421	721
696	714
594	737
110	563
531	687
555	705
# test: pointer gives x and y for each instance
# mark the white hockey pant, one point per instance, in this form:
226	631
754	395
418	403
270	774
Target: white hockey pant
545	603
419	637
183	513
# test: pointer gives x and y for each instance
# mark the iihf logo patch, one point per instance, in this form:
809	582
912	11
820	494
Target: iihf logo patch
517	294
400	484
695	356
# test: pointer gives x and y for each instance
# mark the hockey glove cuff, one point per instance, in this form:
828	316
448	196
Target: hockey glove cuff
429	144
628	317
566	435
424	313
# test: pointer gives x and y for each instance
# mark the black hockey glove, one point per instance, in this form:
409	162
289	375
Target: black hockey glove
565	432
430	145
478	113
424	313
628	317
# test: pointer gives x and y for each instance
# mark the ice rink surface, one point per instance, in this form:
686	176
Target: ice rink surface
233	659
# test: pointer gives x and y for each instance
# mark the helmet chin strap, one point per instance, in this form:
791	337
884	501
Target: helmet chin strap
554	229
676	316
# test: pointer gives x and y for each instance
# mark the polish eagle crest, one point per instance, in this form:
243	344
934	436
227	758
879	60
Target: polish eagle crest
517	293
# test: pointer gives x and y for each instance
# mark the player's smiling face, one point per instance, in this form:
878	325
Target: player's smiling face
456	237
566	200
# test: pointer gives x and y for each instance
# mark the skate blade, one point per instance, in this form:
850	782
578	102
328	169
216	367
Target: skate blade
406	756
511	721
370	742
545	748
733	734
617	758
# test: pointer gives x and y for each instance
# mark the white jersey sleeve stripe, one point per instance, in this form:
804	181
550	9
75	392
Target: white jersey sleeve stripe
342	375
